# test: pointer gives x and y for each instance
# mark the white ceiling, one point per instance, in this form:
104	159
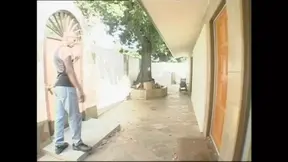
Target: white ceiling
179	22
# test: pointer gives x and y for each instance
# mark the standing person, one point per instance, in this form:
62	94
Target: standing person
68	91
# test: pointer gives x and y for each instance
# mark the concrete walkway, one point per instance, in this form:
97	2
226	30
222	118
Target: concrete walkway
149	129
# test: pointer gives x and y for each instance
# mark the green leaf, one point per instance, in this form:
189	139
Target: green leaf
128	21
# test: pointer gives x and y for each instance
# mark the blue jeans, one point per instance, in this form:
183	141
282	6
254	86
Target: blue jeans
67	101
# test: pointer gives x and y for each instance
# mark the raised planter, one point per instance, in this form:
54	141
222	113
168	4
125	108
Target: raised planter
146	94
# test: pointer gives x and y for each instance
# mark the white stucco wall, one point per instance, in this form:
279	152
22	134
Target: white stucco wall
134	67
162	72
199	78
109	72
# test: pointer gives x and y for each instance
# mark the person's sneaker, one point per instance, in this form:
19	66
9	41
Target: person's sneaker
61	148
82	147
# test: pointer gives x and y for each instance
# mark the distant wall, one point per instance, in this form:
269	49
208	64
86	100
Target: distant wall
134	68
162	72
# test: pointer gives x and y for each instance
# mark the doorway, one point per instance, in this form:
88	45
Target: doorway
221	71
56	25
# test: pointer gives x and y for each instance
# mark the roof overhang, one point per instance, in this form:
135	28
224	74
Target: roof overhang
179	22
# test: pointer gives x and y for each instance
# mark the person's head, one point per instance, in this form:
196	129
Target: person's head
69	38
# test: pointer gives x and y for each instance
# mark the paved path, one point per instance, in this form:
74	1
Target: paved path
150	129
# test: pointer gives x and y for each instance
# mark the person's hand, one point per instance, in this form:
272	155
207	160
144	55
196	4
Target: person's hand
81	96
49	87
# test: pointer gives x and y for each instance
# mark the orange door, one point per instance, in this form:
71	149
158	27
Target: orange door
50	74
221	44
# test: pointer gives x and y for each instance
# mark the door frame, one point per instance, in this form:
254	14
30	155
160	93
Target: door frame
221	7
45	81
246	93
48	106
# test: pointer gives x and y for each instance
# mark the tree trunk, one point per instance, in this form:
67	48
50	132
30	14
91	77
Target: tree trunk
144	74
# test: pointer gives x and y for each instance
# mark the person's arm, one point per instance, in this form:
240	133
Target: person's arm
70	70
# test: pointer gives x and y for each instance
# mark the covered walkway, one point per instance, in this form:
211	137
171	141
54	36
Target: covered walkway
152	130
217	41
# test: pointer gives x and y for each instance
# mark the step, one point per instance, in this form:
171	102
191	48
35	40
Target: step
94	131
48	158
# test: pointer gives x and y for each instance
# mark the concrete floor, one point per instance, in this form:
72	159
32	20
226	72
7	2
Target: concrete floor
149	129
